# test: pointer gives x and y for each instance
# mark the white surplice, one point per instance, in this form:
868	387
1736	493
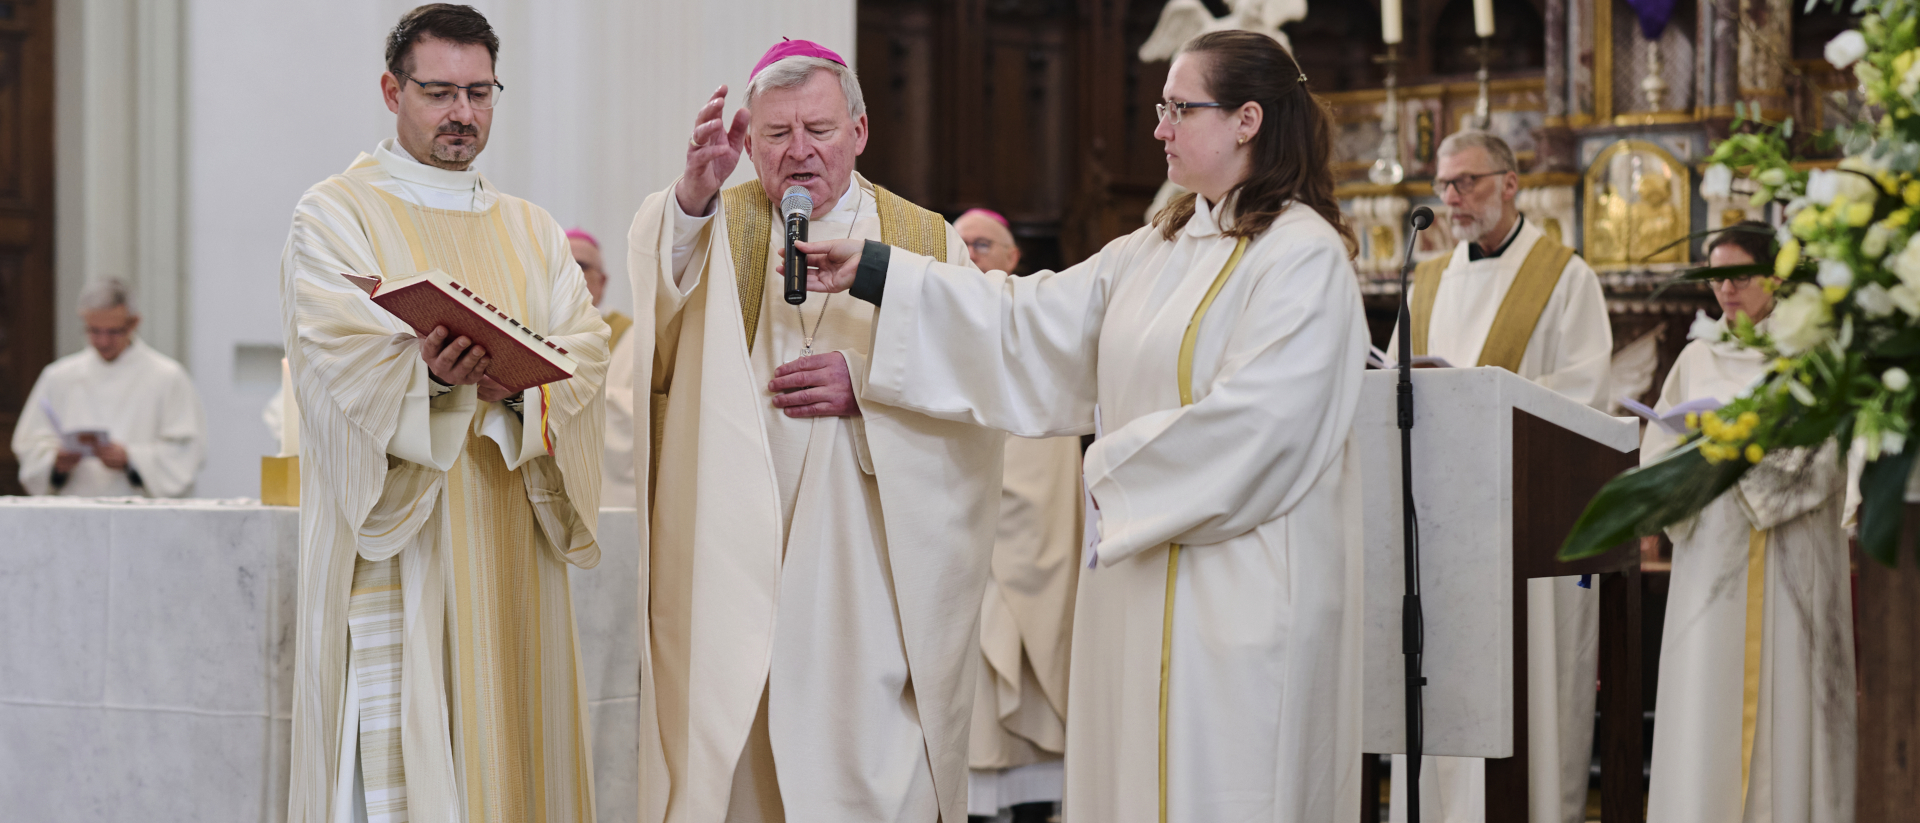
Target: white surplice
813	585
1570	352
143	400
1255	479
1026	629
1801	766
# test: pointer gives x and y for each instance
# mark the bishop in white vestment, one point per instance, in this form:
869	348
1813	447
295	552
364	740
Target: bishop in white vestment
436	676
814	566
1754	713
117	419
1510	296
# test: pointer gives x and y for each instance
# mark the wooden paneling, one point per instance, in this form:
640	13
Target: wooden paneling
1037	109
26	212
1887	625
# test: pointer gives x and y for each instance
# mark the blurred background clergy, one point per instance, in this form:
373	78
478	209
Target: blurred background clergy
114	419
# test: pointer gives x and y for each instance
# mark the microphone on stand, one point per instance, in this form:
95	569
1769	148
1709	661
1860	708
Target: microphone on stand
796	206
1412	622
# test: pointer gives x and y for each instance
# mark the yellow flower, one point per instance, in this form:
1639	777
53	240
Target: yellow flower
1754	453
1834	294
1898	219
1911	194
1790	250
1901	63
1749	419
1859	214
1807	221
1781	364
1693	420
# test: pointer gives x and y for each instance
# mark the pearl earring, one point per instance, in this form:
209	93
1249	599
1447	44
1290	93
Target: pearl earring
1243	141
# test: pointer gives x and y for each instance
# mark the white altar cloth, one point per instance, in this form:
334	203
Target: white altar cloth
146	659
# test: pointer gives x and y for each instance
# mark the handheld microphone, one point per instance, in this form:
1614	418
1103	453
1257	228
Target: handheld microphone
796	206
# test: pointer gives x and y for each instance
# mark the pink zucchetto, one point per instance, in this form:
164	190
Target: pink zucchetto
581	234
794	48
990	214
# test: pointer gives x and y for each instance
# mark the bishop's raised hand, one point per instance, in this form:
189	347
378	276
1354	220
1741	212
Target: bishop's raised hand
712	153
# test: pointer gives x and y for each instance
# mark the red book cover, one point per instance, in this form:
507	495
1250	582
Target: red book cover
521	358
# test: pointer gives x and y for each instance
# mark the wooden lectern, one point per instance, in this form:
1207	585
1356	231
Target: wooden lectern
1502	470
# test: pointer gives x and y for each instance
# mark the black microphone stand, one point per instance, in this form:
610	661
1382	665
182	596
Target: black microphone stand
1412	623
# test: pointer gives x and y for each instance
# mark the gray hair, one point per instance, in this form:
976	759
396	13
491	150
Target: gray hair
104	294
1496	148
792	72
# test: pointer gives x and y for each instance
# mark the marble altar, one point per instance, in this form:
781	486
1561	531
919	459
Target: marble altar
146	659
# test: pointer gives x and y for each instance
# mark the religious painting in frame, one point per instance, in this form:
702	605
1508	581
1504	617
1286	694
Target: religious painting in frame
1637	209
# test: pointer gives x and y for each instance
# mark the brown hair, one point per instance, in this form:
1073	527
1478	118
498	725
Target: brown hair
460	25
1751	236
1292	152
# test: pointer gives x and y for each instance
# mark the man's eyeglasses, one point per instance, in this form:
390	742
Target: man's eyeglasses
442	95
1179	110
1462	184
981	246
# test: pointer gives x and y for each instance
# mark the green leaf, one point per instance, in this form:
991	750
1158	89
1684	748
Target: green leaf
1645	500
1740	109
1903	345
1883	487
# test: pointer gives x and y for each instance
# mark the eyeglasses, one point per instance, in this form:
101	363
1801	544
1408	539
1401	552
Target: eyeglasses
116	331
1462	184
1179	110
442	95
981	246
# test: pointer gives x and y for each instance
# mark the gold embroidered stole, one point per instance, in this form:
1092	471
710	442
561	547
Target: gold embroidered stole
1519	311
750	221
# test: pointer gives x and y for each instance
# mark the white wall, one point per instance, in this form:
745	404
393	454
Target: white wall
278	94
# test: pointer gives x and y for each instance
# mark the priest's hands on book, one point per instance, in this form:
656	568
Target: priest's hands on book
817	385
459	362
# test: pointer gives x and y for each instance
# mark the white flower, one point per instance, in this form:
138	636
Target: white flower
1850	46
1783	232
1857	187
1834	273
1875	243
1895	379
1822	185
1892	442
1801	321
1705	328
1906	264
1906	298
1774	177
1873	300
1717	182
1910	82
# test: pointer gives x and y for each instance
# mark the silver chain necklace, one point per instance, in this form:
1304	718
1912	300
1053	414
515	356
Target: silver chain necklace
806	337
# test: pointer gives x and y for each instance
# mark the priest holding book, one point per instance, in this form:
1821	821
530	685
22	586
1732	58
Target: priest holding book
815	563
436	675
1511	296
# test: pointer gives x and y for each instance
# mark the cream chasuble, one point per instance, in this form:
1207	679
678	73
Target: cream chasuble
617	486
1246	707
1569	352
813	585
1026	623
456	506
1755	707
143	400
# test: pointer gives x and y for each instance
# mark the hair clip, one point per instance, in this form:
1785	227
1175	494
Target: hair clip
1303	77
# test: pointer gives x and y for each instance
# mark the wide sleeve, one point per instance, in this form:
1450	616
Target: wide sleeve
1582	356
170	462
1268	424
34	442
1655	441
1009	353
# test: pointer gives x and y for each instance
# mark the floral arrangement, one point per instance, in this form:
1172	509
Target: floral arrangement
1844	334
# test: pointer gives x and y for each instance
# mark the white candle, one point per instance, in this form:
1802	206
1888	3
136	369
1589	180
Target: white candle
289	413
1390	22
1483	18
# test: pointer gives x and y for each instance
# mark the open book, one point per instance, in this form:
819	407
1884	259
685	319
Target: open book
1377	359
1674	420
82	441
521	359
